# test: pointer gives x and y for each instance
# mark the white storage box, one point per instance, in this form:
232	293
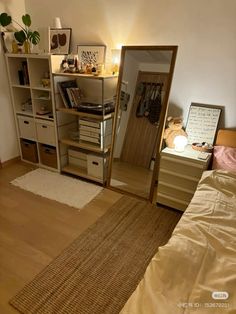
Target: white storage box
26	127
96	166
77	158
81	163
45	132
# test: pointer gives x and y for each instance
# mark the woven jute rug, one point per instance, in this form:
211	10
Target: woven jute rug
98	272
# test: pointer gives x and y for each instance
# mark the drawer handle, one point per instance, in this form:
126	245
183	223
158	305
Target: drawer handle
44	126
95	163
26	122
48	151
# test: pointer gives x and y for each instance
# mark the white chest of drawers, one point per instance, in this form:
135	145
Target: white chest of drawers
179	174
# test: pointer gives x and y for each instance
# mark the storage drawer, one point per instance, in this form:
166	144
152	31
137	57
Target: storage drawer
171	202
45	132
181	167
175	193
26	127
95	166
48	155
178	180
29	150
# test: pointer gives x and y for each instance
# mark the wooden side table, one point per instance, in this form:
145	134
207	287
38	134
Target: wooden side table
179	174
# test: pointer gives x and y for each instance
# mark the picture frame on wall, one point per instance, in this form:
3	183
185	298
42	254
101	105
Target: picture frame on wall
59	40
91	54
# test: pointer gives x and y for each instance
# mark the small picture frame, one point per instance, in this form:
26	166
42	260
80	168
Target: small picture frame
59	40
91	54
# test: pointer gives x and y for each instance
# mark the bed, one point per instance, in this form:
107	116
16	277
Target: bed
195	272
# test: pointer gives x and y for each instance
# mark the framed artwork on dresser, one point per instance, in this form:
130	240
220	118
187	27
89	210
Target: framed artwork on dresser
202	123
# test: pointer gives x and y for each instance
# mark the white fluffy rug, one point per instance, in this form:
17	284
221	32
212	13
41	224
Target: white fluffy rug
60	188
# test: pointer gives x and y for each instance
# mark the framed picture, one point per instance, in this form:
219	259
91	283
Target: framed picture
59	40
91	54
202	123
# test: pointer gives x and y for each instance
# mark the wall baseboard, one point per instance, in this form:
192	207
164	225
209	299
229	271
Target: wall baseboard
9	162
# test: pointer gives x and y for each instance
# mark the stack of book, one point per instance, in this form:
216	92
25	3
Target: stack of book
70	93
96	132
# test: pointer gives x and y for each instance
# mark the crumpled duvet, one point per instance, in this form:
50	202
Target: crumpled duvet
195	272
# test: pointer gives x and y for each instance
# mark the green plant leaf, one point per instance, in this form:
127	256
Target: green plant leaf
26	20
20	36
5	19
34	37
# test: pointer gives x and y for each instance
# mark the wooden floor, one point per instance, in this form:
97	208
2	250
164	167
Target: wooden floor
131	178
34	230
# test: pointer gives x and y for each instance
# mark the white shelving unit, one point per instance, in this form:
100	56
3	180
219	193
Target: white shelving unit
93	163
34	108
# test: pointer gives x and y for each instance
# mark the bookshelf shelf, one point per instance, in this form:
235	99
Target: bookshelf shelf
88	115
93	130
26	73
84	145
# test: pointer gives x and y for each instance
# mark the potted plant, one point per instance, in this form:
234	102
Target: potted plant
25	35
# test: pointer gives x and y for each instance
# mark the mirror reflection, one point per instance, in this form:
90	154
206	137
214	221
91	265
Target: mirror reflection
143	90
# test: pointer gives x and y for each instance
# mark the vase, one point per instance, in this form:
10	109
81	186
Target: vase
27	47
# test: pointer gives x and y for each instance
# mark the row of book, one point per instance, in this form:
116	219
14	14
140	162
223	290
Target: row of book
72	97
70	93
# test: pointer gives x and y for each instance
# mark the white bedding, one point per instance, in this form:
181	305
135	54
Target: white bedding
198	260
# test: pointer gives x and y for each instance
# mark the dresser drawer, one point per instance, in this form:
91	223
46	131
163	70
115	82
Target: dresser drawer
181	167
171	202
175	192
26	127
45	132
179	180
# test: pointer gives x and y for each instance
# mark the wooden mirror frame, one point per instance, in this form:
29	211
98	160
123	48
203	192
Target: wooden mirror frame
161	120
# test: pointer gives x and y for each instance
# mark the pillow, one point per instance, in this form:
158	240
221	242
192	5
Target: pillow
224	158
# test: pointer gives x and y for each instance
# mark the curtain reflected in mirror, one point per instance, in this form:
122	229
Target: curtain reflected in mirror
143	90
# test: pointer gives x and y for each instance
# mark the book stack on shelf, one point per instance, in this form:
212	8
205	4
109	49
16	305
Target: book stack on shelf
70	93
96	132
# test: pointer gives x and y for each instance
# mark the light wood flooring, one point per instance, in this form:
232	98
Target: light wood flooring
34	230
135	179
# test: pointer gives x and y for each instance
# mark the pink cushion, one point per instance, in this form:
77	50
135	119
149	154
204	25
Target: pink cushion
224	158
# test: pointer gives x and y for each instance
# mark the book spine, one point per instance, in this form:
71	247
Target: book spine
72	104
25	72
62	96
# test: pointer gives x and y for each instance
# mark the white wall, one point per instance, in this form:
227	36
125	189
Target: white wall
8	143
204	31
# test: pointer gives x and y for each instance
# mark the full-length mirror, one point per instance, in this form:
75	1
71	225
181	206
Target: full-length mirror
143	90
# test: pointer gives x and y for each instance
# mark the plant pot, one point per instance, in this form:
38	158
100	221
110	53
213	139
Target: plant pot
27	48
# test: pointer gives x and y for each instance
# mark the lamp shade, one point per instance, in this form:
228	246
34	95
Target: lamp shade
180	142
